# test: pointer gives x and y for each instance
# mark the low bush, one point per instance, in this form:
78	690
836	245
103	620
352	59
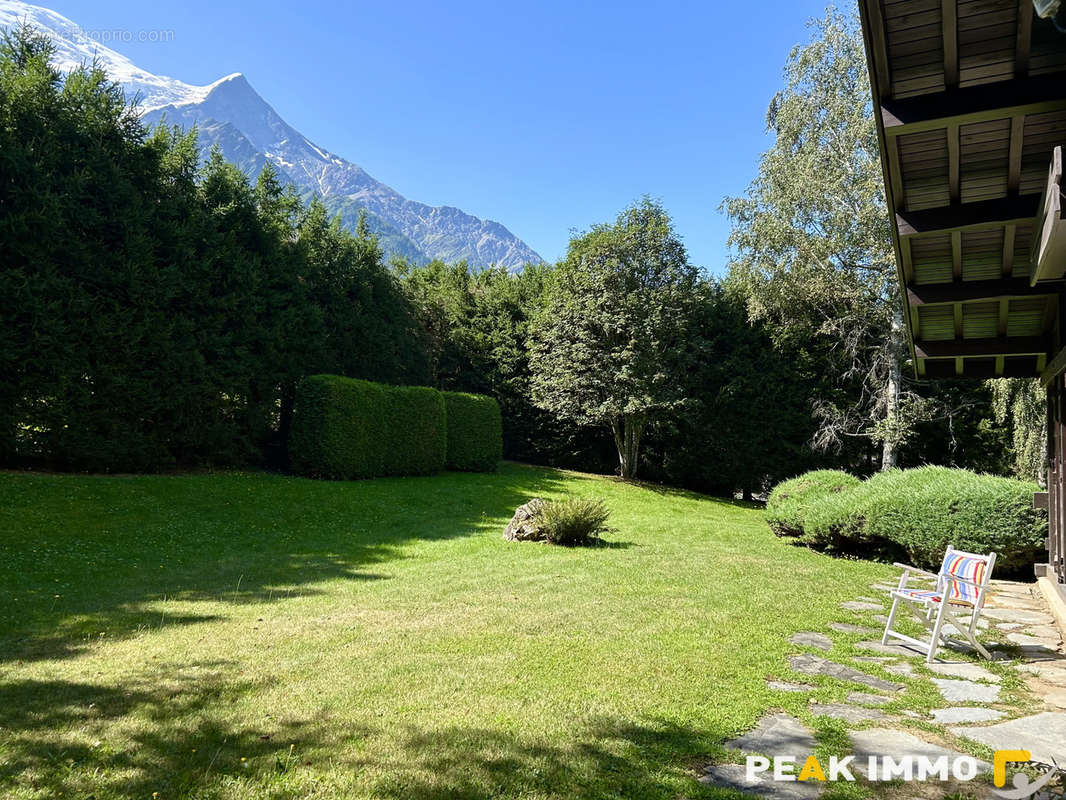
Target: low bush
791	501
573	521
345	428
922	511
475	432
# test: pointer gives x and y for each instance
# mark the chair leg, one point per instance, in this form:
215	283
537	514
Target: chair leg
934	642
891	620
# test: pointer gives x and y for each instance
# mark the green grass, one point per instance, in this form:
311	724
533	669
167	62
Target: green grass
379	639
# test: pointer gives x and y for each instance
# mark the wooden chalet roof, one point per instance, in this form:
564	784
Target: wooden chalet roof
970	101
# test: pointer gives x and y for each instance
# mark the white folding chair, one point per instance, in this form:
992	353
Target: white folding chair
960	587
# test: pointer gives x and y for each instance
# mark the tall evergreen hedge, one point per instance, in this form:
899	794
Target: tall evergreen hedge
345	428
475	432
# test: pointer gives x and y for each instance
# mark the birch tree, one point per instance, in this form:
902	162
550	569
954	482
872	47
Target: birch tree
812	243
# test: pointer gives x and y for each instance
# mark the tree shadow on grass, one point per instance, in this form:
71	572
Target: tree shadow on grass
89	555
170	734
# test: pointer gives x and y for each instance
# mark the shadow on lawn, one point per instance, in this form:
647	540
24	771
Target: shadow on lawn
90	556
170	735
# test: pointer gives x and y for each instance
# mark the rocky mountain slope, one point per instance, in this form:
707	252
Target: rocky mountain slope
229	113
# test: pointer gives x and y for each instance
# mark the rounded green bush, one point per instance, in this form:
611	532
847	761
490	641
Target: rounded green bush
345	428
791	500
933	507
920	511
475	432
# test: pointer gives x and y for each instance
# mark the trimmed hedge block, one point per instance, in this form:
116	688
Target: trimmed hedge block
345	428
475	432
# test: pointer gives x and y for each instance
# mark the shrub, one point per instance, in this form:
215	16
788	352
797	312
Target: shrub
345	428
922	511
933	507
475	432
790	501
575	520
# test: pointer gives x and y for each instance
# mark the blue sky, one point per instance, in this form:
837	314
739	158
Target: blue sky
546	116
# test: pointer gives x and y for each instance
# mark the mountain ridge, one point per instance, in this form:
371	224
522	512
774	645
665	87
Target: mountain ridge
231	114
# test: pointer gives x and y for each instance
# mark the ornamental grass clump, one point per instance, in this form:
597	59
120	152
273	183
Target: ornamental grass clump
573	521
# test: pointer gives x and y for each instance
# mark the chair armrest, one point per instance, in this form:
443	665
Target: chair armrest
909	568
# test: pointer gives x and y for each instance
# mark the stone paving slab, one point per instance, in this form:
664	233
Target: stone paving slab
788	686
1026	617
776	735
963	669
891	649
890	742
1024	640
847	627
1043	735
868	699
959	691
860	605
846	712
818	641
875	659
959	714
814	665
734	776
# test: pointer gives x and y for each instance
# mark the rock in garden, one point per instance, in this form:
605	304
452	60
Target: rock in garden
957	714
523	526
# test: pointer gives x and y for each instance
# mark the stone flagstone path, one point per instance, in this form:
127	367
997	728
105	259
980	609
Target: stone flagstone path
1019	626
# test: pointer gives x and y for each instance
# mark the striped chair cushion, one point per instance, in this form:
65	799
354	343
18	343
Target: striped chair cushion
971	569
919	594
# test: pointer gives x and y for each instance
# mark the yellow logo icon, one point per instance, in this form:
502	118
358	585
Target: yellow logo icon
1000	761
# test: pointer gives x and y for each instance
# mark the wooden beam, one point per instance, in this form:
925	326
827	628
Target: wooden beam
953	162
982	103
956	255
1008	248
941	294
1014	154
1054	368
983	348
882	75
983	214
905	259
998	368
949	10
973	369
1001	323
1023	40
895	173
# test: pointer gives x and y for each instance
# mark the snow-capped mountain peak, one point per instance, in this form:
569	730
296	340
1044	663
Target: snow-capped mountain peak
229	113
76	46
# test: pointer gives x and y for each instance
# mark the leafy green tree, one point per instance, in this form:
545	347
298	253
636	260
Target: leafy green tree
607	348
813	243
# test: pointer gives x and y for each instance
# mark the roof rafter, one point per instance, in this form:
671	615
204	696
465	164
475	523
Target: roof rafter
937	294
960	216
1016	97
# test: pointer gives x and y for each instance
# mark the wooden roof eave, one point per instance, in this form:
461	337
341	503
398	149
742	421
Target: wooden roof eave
873	33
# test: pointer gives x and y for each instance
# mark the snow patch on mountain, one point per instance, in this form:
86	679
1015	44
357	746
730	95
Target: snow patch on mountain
229	113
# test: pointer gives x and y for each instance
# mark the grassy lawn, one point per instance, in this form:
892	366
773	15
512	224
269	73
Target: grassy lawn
258	636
